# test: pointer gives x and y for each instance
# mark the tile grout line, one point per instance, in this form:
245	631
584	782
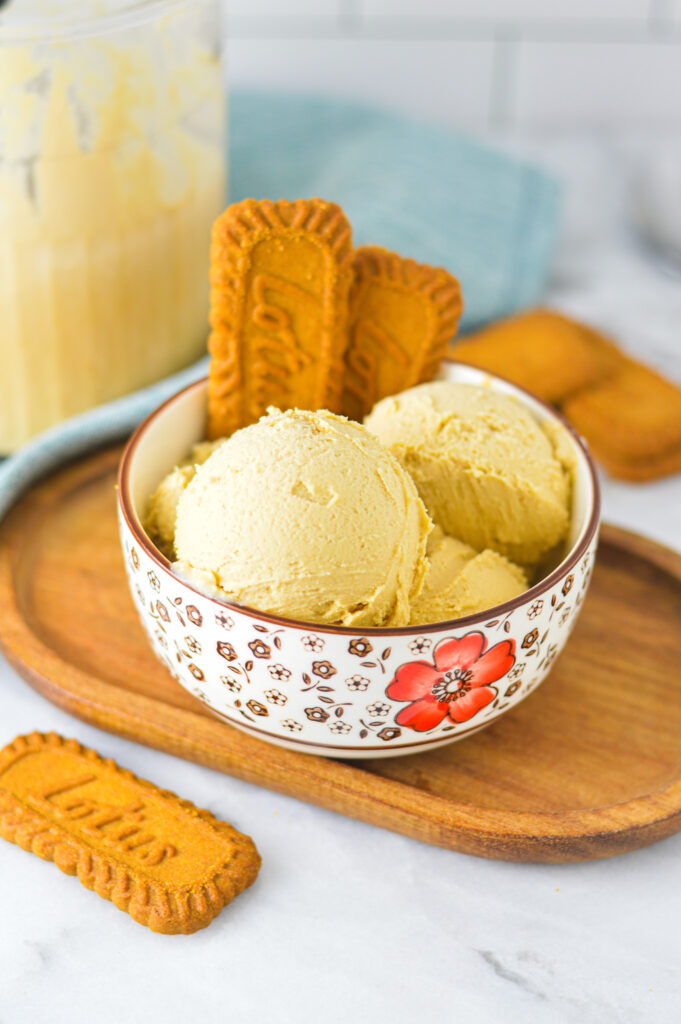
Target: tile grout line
661	17
349	18
502	90
350	23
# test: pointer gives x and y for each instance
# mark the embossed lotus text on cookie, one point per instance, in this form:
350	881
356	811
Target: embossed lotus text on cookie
280	275
402	316
169	865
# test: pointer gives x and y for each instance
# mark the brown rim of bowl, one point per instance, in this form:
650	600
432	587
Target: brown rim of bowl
568	563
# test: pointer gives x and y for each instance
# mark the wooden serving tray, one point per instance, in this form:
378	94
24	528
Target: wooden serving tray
586	767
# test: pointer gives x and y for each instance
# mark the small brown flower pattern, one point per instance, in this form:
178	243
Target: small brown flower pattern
323	669
313	643
389	733
378	709
360	647
189	653
226	651
357	683
530	639
256	708
317	714
162	611
194	615
291	725
259	649
551	655
279	672
339	728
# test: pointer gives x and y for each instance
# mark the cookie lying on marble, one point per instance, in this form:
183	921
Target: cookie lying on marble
632	421
550	355
170	865
630	415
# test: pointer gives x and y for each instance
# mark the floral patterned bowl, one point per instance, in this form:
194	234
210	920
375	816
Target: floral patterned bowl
331	690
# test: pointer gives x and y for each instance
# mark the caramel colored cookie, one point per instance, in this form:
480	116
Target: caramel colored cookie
402	315
169	865
280	275
632	421
541	351
644	471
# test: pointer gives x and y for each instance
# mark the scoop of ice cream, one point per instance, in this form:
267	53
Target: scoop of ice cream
305	514
162	512
486	470
460	581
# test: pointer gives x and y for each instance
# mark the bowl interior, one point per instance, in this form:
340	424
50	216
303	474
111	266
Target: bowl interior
167	436
163	441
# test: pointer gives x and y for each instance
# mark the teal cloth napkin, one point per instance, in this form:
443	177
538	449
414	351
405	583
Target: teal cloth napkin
439	197
436	196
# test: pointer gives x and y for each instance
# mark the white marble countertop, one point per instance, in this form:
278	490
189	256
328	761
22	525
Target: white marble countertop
350	923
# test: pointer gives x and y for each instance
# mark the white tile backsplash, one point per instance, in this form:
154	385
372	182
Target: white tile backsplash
514	10
253	9
498	63
597	83
449	81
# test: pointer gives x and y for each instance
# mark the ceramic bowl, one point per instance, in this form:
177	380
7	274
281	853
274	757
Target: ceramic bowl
333	690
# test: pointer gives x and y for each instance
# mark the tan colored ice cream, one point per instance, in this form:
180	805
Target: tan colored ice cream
162	512
305	514
460	581
486	470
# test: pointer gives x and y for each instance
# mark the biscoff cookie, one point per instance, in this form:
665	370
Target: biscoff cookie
540	350
280	275
170	865
402	316
643	471
632	421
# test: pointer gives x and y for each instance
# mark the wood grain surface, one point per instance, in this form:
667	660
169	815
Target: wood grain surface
588	766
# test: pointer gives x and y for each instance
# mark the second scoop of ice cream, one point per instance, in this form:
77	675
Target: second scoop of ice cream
487	471
304	514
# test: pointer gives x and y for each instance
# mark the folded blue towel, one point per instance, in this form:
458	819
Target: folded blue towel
439	197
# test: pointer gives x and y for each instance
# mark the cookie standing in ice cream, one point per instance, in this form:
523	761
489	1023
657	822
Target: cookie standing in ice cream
311	516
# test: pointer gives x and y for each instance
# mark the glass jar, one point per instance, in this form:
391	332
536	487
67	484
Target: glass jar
112	170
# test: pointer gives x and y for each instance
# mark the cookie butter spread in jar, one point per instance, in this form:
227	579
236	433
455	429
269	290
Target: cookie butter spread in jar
112	169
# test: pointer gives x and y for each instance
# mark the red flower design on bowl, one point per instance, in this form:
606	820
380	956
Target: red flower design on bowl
457	683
